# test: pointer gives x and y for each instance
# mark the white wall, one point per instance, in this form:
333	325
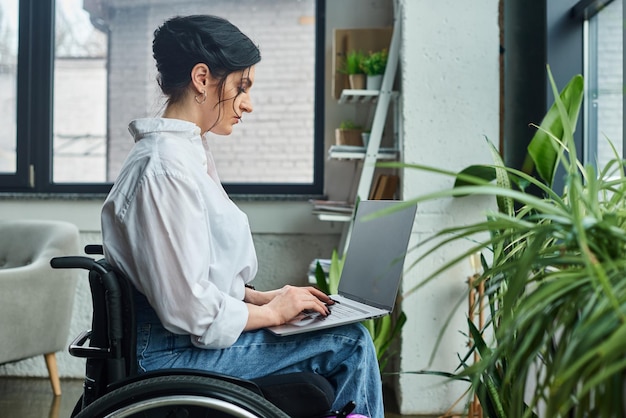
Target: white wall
450	96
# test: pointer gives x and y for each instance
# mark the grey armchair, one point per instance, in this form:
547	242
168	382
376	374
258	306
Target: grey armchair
35	300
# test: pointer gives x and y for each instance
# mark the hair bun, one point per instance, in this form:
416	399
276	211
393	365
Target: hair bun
182	42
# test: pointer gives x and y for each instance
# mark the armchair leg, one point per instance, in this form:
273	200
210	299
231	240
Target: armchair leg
51	364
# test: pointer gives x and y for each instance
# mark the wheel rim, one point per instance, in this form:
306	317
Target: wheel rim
188	400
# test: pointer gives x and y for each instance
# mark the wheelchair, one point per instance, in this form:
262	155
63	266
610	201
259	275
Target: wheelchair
114	388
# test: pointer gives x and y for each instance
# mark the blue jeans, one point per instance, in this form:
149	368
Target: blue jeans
344	355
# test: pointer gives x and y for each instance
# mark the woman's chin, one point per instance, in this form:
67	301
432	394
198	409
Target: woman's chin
222	130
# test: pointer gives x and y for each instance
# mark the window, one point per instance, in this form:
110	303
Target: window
604	83
72	99
584	37
8	85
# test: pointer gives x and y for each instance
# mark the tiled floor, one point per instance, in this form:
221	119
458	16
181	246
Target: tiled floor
32	398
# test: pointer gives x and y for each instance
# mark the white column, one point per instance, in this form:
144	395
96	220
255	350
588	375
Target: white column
450	102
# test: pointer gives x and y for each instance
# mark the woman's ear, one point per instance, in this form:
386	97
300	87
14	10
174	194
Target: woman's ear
200	75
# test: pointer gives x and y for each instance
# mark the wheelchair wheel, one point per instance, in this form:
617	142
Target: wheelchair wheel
181	396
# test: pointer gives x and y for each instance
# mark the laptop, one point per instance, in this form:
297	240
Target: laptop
372	269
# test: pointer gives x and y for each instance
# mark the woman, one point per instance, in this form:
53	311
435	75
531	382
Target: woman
171	228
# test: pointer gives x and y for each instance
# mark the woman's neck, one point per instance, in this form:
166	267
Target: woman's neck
176	111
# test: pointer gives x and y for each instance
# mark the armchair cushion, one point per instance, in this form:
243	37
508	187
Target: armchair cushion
35	300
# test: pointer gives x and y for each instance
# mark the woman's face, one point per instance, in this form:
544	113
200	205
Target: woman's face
235	101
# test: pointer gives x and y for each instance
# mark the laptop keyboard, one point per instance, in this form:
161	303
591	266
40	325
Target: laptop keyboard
340	311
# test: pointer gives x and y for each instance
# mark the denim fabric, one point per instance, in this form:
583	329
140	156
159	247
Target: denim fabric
344	355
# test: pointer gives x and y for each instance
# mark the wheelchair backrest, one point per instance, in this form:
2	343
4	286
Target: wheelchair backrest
111	354
113	321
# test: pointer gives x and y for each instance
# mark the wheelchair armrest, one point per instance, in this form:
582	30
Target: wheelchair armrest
77	347
77	262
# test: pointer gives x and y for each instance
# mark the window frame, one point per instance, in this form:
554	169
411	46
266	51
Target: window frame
535	34
34	108
584	11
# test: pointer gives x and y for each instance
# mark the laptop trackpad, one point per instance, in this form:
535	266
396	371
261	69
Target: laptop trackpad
305	318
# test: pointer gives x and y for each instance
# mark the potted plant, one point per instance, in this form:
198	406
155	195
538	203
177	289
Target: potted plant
354	69
374	67
349	133
553	264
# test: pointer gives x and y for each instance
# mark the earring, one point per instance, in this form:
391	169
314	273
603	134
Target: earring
200	101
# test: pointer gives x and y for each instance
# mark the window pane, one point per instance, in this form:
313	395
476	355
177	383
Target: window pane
80	95
8	85
274	144
605	83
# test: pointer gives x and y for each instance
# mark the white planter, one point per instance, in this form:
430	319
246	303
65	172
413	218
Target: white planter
374	82
365	136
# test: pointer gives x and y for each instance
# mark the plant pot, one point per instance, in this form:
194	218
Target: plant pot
365	137
348	137
357	81
374	82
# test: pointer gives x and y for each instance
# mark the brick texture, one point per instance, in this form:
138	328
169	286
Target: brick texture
275	142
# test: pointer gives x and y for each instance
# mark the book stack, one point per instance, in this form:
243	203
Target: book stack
332	206
332	209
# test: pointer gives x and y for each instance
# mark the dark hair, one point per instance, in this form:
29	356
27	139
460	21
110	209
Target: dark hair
182	42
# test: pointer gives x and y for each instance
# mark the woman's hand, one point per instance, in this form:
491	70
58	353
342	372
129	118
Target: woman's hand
284	304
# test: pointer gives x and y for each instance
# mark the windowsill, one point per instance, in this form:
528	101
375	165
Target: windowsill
102	196
51	196
268	214
273	197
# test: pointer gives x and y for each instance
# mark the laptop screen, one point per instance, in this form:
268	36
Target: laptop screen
374	260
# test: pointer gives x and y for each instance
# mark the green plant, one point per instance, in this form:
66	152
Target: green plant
353	64
383	330
375	62
553	265
348	124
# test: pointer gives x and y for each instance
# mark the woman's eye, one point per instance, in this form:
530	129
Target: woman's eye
244	86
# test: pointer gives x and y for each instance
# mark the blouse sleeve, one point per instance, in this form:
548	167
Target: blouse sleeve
170	237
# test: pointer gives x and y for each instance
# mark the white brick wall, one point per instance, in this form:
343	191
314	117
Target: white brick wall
608	99
275	142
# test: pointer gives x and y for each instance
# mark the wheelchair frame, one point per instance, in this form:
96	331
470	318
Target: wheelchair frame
113	388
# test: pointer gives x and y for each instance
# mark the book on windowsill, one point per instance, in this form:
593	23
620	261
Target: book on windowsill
332	206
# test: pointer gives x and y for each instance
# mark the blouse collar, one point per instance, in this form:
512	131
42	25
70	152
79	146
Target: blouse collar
142	127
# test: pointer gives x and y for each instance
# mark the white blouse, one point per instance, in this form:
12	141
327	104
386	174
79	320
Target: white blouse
170	227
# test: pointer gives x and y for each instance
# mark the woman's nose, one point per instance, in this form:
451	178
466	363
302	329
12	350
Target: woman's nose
246	105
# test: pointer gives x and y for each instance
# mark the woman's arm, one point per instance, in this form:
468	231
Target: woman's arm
258	298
